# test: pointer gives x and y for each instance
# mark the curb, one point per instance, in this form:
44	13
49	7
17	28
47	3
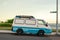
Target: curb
6	31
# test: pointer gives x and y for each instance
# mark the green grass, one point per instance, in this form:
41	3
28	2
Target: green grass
5	28
5	24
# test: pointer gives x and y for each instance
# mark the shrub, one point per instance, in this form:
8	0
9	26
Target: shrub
6	24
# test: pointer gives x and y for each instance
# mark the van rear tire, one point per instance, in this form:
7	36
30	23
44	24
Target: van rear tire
19	31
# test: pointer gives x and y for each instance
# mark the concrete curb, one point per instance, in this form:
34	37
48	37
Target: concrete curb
6	31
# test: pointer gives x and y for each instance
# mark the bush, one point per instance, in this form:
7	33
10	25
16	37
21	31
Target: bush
9	21
6	24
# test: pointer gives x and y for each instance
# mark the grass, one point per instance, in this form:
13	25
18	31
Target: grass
5	28
5	24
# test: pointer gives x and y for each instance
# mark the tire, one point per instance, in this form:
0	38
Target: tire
19	31
40	33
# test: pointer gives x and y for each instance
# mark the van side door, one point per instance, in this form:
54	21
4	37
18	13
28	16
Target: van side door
31	26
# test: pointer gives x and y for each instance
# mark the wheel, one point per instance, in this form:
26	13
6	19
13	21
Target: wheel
19	31
41	33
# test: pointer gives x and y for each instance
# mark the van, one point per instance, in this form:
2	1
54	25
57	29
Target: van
30	25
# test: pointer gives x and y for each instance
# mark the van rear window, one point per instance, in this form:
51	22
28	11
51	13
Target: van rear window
19	21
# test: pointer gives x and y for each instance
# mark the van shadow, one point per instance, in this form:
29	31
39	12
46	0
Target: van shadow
35	35
29	35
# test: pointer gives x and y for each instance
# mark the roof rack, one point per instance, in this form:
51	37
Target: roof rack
29	17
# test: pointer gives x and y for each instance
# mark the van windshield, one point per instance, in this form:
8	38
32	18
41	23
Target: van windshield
42	22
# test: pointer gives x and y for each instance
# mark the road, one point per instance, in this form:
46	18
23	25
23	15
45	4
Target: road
13	36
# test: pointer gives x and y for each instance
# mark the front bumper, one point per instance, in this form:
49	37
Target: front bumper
48	31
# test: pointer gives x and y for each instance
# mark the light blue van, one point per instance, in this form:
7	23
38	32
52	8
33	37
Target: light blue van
30	25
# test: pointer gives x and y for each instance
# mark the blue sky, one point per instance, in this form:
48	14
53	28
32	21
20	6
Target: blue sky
40	9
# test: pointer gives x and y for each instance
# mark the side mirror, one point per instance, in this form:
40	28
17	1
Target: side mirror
46	24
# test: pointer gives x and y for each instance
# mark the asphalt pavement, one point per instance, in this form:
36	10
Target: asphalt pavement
9	35
8	31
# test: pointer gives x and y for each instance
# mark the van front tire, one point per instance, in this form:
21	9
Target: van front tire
41	33
19	31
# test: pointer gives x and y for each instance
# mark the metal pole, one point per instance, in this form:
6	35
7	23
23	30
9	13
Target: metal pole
57	17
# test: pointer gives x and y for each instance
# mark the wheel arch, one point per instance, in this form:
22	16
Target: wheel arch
19	29
41	30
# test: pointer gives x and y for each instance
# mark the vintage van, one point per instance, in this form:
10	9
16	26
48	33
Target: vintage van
30	25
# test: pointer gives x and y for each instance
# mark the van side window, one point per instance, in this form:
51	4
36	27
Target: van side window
19	21
40	22
30	22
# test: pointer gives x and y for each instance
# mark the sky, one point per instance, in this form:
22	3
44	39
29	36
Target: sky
40	9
